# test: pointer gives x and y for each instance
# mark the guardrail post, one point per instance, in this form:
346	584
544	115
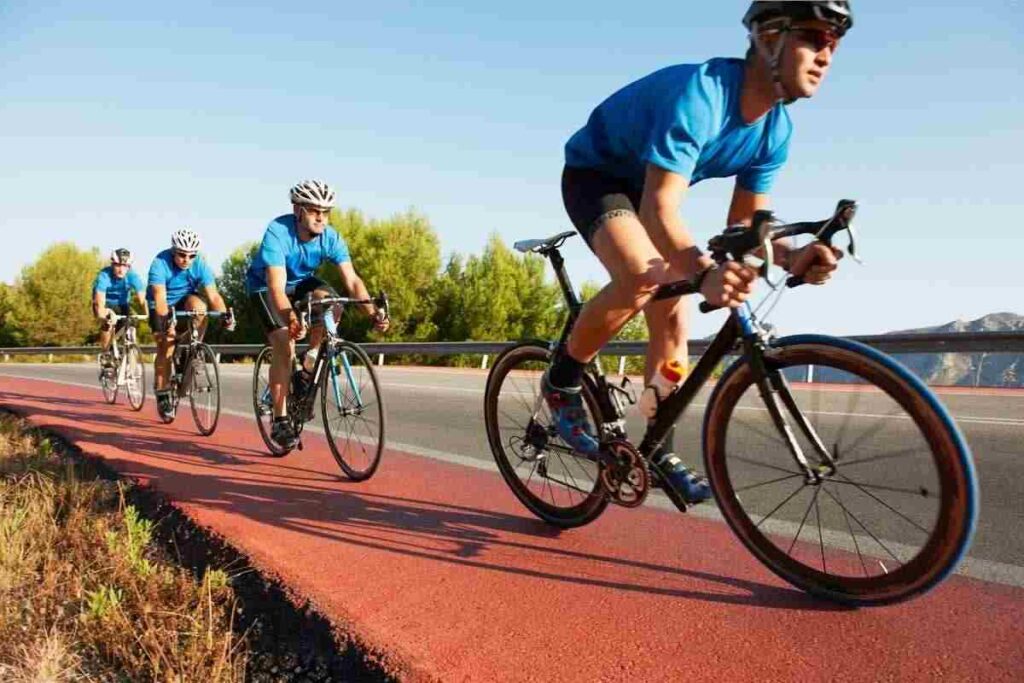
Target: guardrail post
7	357
216	357
49	358
622	365
380	359
483	362
810	374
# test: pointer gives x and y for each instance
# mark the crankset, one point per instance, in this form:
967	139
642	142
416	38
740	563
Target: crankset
624	474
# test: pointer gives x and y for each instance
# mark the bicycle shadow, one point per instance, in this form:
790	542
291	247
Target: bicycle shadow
367	517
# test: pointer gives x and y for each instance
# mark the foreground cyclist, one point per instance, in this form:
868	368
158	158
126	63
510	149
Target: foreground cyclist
628	171
282	273
111	295
177	277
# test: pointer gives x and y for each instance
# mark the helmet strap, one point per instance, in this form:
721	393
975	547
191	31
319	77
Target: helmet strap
774	59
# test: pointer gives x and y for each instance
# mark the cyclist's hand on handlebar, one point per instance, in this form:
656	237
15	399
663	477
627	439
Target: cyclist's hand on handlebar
728	285
296	330
814	262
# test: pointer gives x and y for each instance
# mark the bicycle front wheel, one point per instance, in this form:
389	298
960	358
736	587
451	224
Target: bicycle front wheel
135	377
557	484
894	515
263	402
204	389
108	383
353	411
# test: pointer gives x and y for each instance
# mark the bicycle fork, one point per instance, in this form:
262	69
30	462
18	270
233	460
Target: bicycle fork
774	389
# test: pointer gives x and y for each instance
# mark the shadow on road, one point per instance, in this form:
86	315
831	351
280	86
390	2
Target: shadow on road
227	473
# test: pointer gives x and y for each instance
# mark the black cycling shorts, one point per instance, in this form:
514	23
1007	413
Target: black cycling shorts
591	197
271	317
159	324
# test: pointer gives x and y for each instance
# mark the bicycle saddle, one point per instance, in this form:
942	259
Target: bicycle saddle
543	246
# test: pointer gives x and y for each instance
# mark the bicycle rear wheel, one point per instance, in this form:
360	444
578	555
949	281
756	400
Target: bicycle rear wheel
135	377
204	389
897	513
555	483
353	411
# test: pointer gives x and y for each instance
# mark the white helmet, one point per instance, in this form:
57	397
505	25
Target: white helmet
121	257
185	240
313	193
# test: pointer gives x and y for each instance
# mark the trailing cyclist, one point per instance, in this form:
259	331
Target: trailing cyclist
627	173
111	295
177	277
282	274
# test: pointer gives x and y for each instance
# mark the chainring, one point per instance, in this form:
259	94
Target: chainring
624	475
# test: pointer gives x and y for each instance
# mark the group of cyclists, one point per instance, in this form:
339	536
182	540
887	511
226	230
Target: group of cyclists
626	176
281	273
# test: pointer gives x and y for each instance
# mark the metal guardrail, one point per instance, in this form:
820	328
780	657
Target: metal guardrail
964	342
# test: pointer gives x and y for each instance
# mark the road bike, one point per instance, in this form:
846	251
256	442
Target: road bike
832	463
351	404
124	368
195	373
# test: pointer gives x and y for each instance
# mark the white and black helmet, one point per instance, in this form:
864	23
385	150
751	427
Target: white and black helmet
838	13
121	257
313	193
185	240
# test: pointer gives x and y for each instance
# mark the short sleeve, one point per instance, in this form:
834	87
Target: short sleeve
272	251
759	176
101	283
158	273
682	126
135	281
337	249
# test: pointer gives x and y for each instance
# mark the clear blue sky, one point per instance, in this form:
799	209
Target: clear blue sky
120	122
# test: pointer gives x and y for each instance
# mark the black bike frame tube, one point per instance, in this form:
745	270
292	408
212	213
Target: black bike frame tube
675	404
573	301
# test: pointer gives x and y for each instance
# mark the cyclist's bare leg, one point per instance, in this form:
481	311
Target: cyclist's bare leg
197	305
164	352
636	269
280	368
106	337
667	331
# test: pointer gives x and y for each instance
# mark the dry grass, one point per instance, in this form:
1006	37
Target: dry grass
84	595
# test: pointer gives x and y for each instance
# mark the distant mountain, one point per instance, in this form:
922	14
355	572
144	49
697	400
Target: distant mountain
960	369
970	369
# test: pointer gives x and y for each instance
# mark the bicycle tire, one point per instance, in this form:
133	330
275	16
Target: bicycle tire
108	385
912	554
204	380
506	433
133	365
265	413
352	398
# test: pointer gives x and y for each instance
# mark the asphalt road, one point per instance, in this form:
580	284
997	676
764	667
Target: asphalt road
439	413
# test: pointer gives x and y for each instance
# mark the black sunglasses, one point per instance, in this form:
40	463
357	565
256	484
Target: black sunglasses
818	38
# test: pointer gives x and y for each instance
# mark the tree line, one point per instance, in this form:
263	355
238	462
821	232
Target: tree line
497	295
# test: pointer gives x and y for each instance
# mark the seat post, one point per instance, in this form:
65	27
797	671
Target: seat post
558	263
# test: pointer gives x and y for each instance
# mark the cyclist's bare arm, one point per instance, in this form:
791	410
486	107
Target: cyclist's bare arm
160	300
354	286
277	282
99	304
215	299
141	298
664	193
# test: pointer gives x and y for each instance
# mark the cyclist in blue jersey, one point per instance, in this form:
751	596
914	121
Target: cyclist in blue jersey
627	173
111	295
176	278
282	273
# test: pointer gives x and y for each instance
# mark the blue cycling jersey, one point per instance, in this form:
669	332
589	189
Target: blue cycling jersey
180	282
117	290
685	119
281	246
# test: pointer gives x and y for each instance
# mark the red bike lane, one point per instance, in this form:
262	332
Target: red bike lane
438	566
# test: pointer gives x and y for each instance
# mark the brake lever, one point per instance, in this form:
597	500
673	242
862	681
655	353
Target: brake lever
842	220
